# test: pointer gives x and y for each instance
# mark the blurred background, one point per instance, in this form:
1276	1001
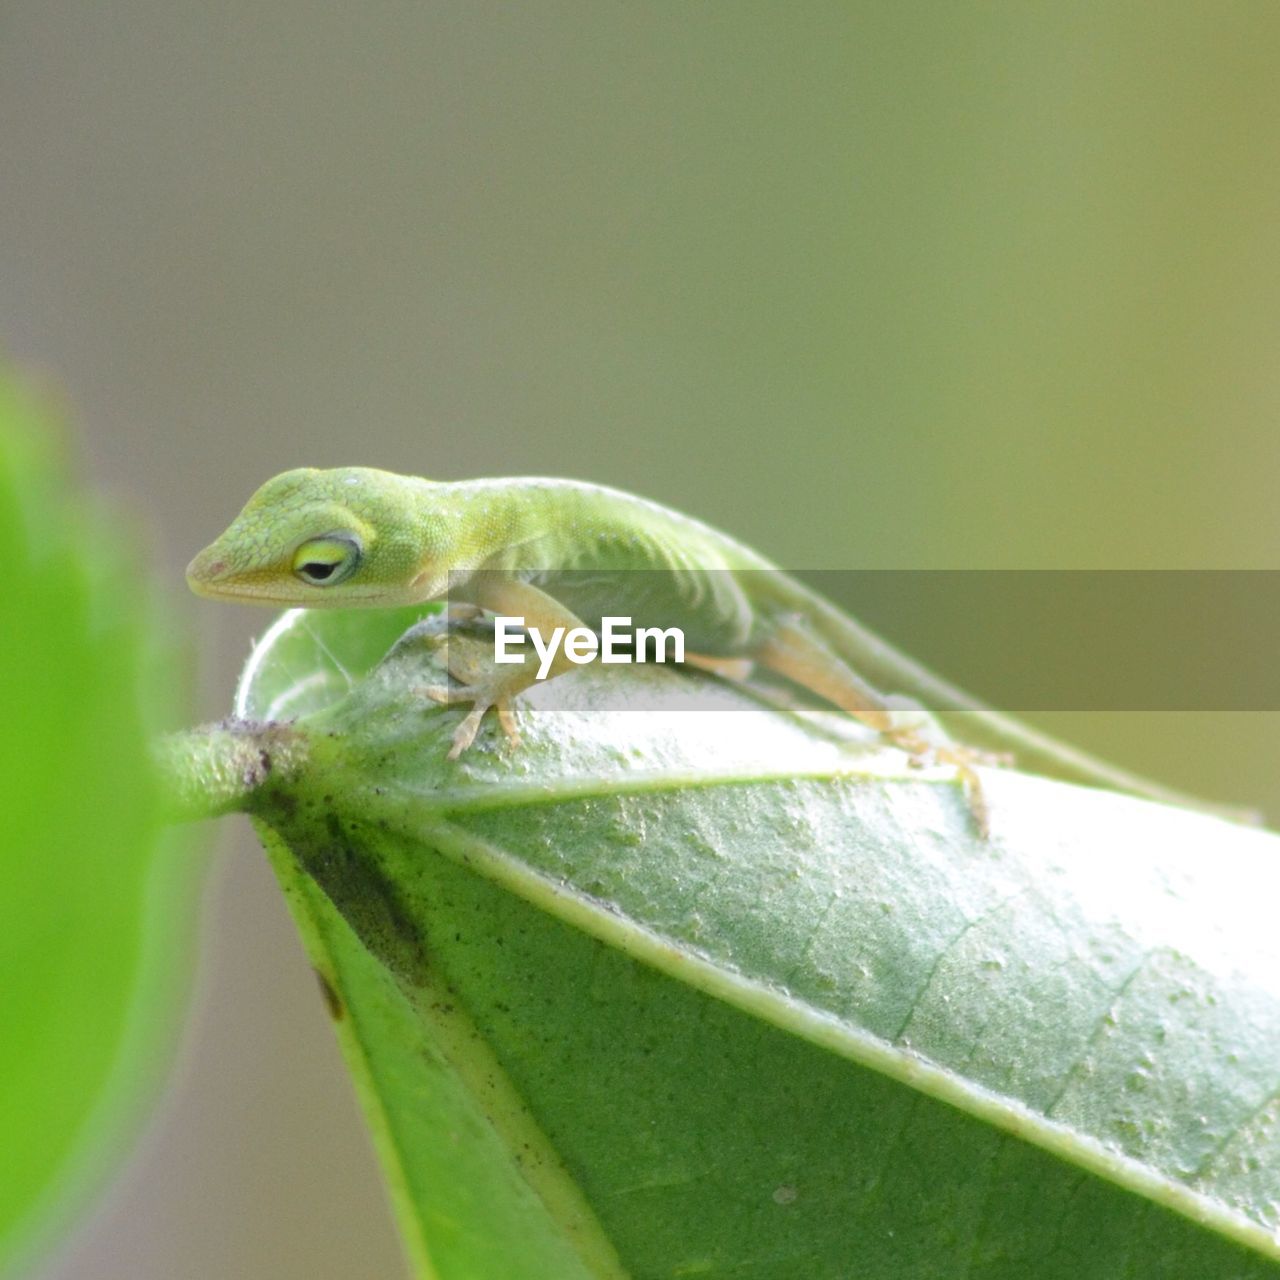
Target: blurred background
869	284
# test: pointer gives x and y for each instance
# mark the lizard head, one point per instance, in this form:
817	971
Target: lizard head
333	538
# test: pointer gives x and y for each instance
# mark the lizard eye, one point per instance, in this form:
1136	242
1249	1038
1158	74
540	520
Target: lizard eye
324	562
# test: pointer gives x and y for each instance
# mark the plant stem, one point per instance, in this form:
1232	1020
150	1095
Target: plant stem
225	767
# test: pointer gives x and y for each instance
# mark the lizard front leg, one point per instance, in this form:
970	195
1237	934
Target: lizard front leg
465	649
482	682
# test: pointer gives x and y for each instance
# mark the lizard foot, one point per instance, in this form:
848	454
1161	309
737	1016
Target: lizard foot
465	650
481	697
965	760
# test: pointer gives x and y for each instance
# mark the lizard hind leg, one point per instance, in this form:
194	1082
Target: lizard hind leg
793	651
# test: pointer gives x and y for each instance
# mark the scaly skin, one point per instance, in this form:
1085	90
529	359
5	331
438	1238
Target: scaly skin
560	553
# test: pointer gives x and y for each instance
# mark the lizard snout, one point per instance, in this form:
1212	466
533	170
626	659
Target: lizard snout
205	569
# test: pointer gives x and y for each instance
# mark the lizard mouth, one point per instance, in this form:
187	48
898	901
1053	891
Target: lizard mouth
241	591
210	576
243	595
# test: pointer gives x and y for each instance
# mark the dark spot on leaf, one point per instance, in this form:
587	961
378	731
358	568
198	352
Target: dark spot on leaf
332	1000
285	802
360	891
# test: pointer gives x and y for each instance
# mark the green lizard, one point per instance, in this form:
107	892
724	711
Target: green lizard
557	553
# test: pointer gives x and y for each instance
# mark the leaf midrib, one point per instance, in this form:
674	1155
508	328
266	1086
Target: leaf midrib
486	795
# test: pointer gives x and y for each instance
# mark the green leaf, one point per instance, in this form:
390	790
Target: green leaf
732	992
93	911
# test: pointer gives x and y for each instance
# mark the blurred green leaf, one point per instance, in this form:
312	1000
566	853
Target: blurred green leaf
733	993
93	920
